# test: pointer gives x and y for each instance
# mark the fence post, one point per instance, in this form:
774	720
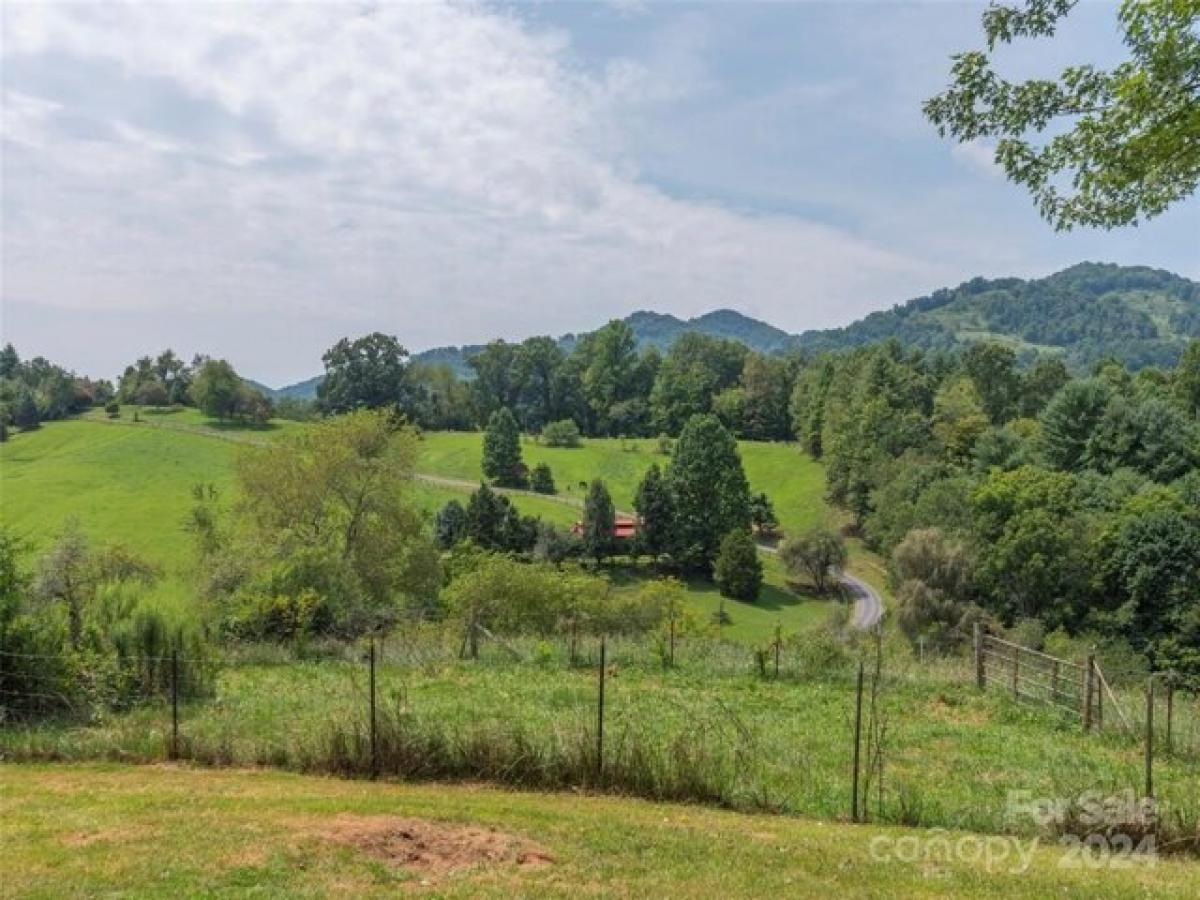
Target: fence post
1089	674
671	651
1170	713
980	672
175	703
1054	681
1099	698
1150	737
778	641
574	641
374	731
858	696
600	710
1016	668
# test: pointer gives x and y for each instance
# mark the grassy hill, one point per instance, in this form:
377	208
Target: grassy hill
93	830
131	483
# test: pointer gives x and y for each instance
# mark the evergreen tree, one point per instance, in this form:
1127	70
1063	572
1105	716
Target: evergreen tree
451	525
738	571
599	522
485	518
25	414
502	450
541	479
709	490
656	510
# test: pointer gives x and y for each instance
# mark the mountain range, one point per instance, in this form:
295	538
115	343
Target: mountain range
1090	311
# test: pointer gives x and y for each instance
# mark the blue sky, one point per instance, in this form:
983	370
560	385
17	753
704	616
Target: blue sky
255	181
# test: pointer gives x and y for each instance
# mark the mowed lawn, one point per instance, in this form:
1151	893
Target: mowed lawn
793	481
163	831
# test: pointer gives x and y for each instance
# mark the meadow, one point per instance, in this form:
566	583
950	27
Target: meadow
710	729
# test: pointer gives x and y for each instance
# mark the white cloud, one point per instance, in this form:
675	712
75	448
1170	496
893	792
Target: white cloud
438	170
977	156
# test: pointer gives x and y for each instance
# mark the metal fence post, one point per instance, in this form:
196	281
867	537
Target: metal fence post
1150	737
1089	674
175	703
980	673
374	730
778	641
600	710
858	696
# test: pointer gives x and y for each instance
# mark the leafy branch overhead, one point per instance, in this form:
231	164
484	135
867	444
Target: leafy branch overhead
1093	147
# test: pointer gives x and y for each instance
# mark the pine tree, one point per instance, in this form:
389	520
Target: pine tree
502	450
656	510
599	522
709	491
738	571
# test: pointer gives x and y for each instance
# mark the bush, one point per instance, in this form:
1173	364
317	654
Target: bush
112	409
564	433
818	553
738	571
541	479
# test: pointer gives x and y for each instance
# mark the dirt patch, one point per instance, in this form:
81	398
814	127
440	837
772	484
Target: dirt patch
432	848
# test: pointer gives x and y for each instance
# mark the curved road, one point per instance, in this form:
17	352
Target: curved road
868	606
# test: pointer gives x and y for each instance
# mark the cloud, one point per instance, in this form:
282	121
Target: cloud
977	156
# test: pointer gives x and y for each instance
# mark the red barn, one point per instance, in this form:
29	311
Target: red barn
624	528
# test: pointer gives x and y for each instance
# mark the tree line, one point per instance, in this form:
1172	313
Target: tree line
1030	497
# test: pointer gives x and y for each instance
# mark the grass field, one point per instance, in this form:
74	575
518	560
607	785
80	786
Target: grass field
130	482
794	482
708	730
175	831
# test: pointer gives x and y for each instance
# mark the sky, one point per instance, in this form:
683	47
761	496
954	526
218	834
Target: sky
254	181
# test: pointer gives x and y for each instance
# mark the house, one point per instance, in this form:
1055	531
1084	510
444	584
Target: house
624	528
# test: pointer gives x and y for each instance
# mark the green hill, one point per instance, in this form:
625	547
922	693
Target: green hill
1141	316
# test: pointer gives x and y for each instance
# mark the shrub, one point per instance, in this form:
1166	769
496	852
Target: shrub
112	409
818	553
564	433
738	571
541	479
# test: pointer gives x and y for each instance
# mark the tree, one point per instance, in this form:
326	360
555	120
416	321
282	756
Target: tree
564	433
152	393
368	373
216	388
818	553
656	513
762	516
65	576
609	372
709	492
766	386
1127	141
450	526
25	413
330	508
992	368
502	450
1187	379
10	360
697	368
541	479
933	575
1069	420
599	522
1043	380
738	571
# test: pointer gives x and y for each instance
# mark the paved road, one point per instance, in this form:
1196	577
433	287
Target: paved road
868	606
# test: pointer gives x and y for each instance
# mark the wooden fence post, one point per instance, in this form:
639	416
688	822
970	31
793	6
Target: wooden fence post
174	703
1089	674
980	672
1016	656
1150	737
671	651
1054	681
778	641
857	739
1099	699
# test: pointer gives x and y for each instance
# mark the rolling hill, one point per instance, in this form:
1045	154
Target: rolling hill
1138	315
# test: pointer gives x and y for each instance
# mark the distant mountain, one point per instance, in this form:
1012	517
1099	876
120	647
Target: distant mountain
1138	315
1141	316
